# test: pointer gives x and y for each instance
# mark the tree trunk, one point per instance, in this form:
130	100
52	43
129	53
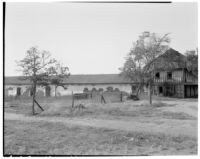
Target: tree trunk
55	91
34	91
72	99
150	94
138	89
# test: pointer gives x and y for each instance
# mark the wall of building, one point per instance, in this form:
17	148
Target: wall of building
177	75
172	90
79	88
11	90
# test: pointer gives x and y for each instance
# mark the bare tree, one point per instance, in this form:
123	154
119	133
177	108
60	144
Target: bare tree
34	67
144	51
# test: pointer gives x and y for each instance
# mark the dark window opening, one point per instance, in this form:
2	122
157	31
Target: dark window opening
157	75
169	75
18	91
160	90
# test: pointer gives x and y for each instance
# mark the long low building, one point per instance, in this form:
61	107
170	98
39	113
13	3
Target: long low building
76	83
171	78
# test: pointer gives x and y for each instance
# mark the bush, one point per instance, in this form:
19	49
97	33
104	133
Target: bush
85	90
117	90
94	90
100	90
109	89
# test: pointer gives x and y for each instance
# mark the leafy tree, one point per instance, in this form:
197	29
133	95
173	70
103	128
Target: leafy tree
57	75
34	67
144	51
192	61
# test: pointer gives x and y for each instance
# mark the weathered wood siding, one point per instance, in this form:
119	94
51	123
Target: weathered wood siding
190	78
177	76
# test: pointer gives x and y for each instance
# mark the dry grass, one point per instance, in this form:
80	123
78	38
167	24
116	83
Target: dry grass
61	106
116	111
45	138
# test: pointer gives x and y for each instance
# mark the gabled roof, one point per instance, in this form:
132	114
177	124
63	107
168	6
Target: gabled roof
79	79
170	60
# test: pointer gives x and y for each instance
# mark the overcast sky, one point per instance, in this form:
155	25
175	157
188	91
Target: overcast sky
93	38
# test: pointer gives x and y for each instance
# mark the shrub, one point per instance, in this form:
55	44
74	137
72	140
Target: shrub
109	89
85	90
100	90
116	90
94	90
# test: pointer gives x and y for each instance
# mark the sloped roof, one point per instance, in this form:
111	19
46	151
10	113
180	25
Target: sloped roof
80	79
171	59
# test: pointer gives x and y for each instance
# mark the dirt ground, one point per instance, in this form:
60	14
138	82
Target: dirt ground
167	116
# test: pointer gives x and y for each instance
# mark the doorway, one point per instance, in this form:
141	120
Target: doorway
18	91
191	91
160	90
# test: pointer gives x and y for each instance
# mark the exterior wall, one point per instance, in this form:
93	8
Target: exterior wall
79	88
11	90
172	90
175	87
190	78
191	91
177	76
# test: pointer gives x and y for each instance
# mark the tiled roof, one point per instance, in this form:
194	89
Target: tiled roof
79	79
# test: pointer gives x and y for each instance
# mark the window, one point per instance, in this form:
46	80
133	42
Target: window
169	75
157	76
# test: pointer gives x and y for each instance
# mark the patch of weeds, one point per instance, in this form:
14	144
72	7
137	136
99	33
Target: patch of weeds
161	104
179	116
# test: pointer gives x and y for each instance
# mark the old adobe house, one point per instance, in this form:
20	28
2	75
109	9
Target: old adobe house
171	78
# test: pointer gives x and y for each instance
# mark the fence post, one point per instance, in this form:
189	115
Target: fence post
103	99
72	99
121	96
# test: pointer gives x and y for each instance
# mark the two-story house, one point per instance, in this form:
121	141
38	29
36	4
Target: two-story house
172	77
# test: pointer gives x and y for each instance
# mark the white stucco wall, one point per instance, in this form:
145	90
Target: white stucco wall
12	89
61	91
13	92
79	88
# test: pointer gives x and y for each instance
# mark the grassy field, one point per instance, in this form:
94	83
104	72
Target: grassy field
43	137
62	106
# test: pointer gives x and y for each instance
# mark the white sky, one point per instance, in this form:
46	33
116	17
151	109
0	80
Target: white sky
93	38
